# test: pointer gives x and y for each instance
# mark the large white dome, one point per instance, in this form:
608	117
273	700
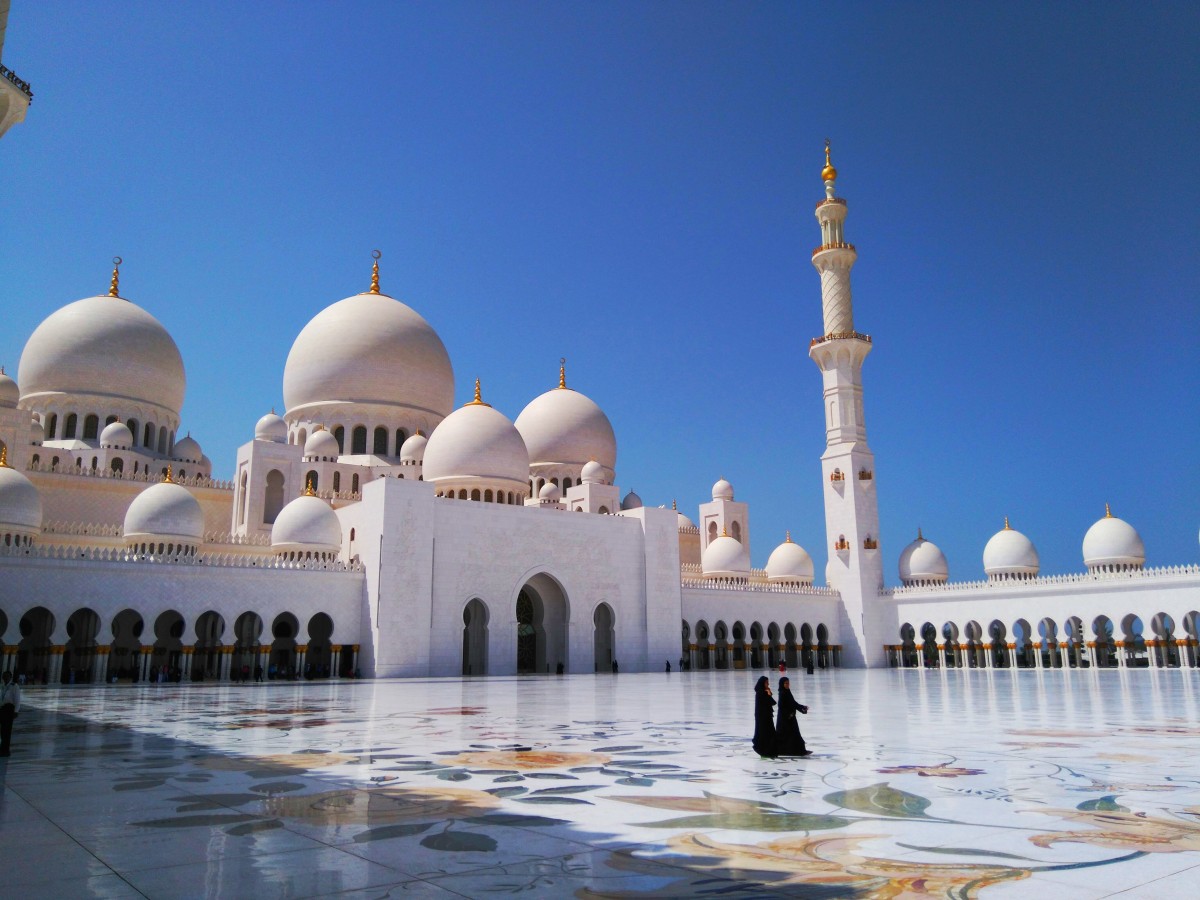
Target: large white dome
922	561
726	557
1009	553
165	512
477	444
789	562
413	449
187	449
372	349
271	427
104	347
1113	544
564	427
307	525
20	504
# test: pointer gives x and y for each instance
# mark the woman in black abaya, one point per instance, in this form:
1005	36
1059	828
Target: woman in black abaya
788	739
764	719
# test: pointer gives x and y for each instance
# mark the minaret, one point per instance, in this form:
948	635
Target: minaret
855	568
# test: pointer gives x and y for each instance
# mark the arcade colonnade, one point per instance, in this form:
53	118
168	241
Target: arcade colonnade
722	646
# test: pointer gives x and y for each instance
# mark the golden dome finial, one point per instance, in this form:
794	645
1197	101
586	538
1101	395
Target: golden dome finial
562	373
1007	527
829	173
308	488
1107	511
4	457
112	287
478	401
920	537
673	506
167	479
787	536
375	254
724	531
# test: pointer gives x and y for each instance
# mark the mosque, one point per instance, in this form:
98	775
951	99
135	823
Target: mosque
373	530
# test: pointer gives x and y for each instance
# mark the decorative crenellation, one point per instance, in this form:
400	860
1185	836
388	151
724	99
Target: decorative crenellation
840	336
718	584
199	481
67	552
91	529
1045	581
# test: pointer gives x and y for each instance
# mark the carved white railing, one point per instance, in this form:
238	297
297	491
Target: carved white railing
238	540
206	560
757	588
200	481
90	529
1020	584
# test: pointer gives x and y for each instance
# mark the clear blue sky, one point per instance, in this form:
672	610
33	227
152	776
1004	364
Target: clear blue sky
631	185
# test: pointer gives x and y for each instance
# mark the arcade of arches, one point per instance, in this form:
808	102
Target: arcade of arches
721	646
167	647
1102	643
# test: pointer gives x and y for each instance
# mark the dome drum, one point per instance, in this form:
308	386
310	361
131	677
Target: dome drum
383	429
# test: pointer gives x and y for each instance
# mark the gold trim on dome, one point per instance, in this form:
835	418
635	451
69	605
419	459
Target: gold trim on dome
375	272
1007	527
829	173
4	458
112	287
1107	511
308	489
478	401
562	373
787	538
167	479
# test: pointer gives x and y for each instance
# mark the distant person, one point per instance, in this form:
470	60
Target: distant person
668	667
764	719
615	667
789	742
10	705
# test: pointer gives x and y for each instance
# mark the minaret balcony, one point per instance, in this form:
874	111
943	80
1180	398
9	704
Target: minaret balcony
840	336
836	245
836	201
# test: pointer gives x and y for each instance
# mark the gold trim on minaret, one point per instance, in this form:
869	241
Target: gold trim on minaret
829	173
375	272
112	287
478	401
562	373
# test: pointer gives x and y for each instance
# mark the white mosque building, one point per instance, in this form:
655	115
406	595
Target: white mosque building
374	530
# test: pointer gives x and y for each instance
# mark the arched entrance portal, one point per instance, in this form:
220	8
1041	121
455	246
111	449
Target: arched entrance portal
542	616
475	637
603	638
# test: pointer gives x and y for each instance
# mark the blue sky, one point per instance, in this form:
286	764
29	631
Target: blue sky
631	185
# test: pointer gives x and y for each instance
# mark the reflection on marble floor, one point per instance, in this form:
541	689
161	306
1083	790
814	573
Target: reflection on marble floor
938	783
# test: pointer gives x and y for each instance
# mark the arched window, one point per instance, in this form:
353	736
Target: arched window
148	436
487	496
354	483
241	519
109	420
735	531
132	425
712	531
359	442
475	494
51	426
162	439
91	427
311	479
381	436
337	481
401	437
566	484
69	428
273	497
339	434
36	459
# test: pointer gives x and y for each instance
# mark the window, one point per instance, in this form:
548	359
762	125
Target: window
148	436
339	434
337	481
91	427
52	427
401	437
381	442
359	444
69	428
273	497
354	483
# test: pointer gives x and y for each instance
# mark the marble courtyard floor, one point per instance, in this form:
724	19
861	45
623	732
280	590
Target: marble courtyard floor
924	783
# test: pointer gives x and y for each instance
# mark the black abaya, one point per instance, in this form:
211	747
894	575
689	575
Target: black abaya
788	739
764	724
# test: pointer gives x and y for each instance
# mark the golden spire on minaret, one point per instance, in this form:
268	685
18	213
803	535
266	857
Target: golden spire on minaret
112	287
478	401
375	272
562	373
829	173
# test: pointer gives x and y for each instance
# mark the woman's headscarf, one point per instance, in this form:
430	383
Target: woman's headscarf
762	684
784	683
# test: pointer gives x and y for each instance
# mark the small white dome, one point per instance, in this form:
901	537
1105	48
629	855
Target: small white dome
477	444
722	490
117	436
683	521
37	433
307	525
164	512
550	492
631	501
20	504
413	449
565	428
321	445
9	392
271	428
1113	544
789	562
1010	553
923	561
593	473
187	449
725	557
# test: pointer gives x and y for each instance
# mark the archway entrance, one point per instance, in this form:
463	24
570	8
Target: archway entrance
542	616
603	637
475	637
